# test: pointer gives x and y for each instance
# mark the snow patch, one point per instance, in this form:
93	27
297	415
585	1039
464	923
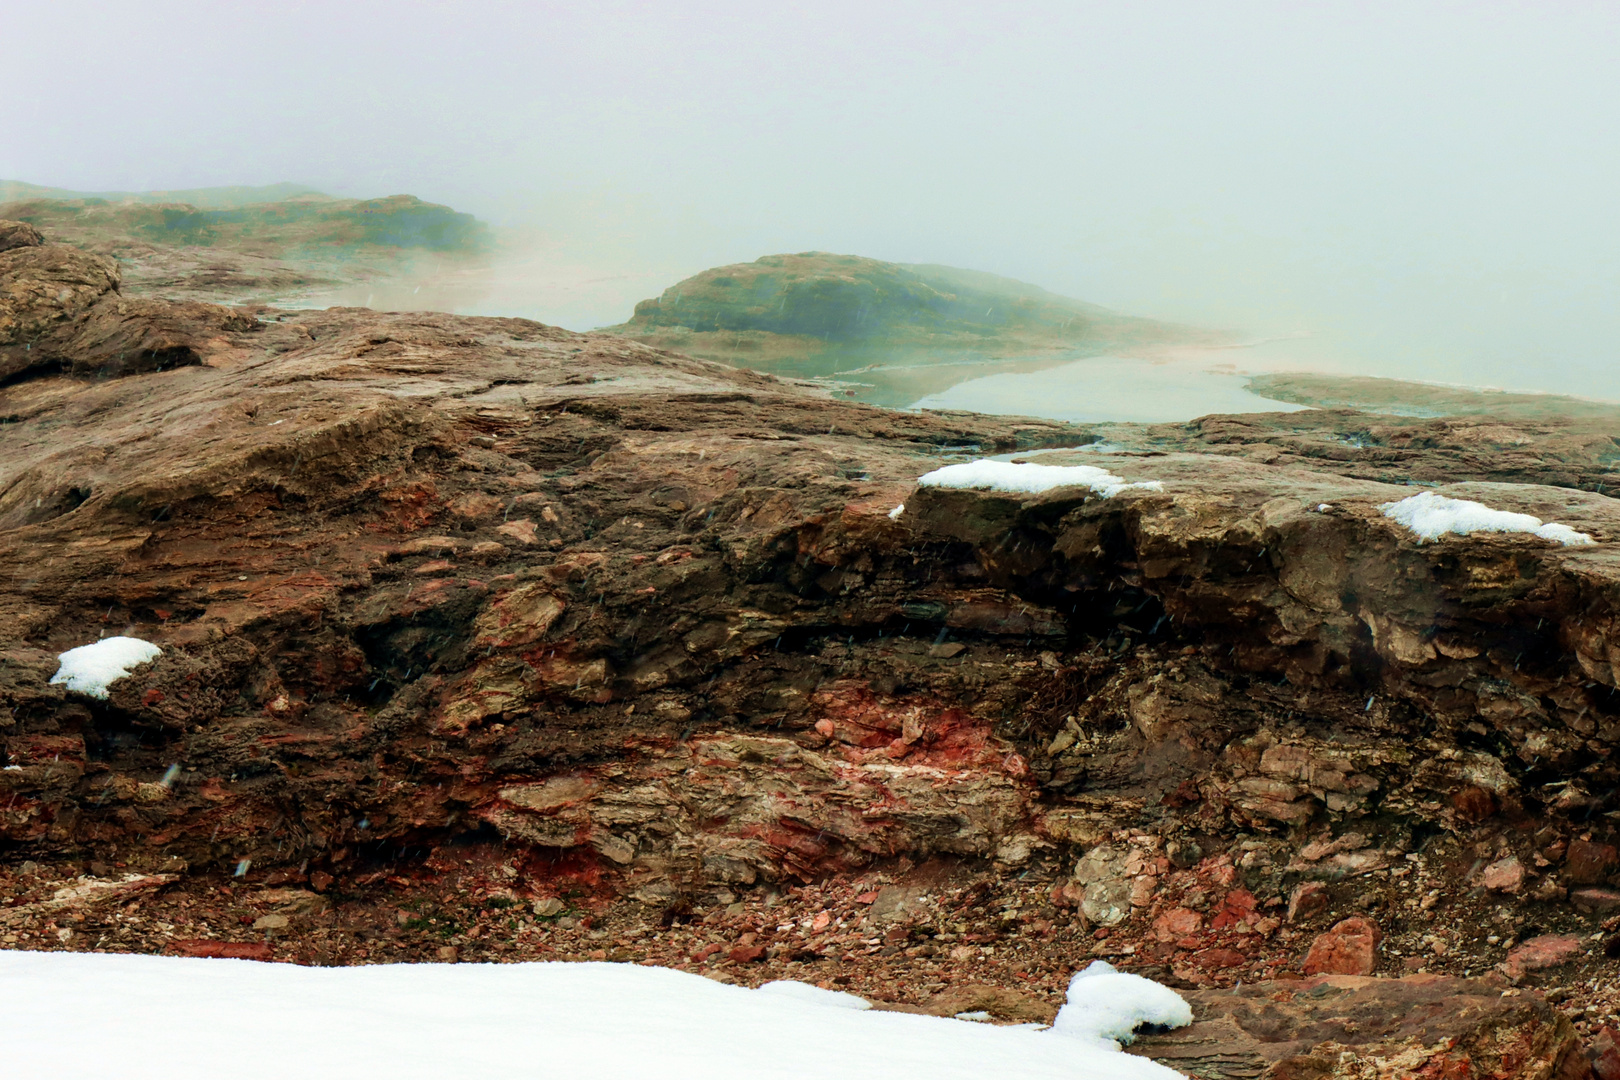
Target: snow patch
166	1017
90	669
1031	479
1432	516
814	995
1105	1006
894	515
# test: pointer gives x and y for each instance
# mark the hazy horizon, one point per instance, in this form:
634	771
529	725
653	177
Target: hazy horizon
1423	188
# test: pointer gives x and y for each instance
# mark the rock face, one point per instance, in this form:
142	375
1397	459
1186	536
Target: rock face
60	310
16	234
1338	1026
464	616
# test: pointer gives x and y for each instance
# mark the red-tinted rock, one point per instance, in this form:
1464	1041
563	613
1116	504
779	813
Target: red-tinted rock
1308	898
1177	923
1350	948
746	954
1596	899
1237	908
1604	1054
1504	875
222	950
1540	953
1588	863
1219	958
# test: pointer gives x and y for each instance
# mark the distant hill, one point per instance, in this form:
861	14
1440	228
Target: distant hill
285	244
785	311
215	198
303	220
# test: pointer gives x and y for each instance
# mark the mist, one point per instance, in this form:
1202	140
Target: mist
1425	189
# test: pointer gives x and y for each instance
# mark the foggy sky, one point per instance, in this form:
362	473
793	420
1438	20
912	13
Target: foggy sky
1429	188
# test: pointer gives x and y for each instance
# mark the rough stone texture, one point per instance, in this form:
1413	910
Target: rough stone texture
1350	948
1540	953
16	234
1338	1026
44	292
465	615
1504	875
1605	1054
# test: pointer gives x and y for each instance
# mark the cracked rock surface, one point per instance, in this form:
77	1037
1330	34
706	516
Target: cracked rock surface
487	640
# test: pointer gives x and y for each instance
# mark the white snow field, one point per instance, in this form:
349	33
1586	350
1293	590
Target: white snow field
90	669
1030	479
1432	516
89	1015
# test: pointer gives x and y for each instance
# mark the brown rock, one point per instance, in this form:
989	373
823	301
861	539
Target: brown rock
1599	900
1588	863
1350	948
746	954
1473	804
16	234
45	291
1337	1027
227	950
1309	898
1540	953
1004	1003
1504	875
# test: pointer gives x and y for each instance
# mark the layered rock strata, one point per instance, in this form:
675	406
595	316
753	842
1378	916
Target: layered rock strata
479	609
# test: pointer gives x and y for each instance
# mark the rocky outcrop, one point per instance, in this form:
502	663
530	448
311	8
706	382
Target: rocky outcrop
16	234
1345	1027
60	310
45	291
502	640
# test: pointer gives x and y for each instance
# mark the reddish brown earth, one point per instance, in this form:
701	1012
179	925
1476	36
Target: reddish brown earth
489	641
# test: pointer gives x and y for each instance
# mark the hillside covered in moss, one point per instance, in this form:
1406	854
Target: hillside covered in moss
786	310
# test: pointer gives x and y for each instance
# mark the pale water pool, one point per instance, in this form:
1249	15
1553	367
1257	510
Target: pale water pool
1110	388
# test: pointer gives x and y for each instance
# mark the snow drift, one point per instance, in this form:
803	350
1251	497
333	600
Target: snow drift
91	1015
1030	479
1106	1006
1432	516
90	669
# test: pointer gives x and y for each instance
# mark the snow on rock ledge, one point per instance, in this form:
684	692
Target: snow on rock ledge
1030	479
90	669
1432	516
1105	1006
159	1016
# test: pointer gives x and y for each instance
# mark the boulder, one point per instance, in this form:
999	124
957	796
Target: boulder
1350	948
17	234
